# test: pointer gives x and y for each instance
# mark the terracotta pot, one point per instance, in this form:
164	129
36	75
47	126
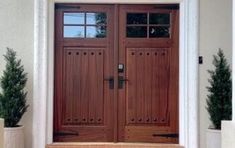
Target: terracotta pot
213	138
14	137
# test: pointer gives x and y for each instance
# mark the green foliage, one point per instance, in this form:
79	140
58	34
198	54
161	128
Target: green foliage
13	97
219	100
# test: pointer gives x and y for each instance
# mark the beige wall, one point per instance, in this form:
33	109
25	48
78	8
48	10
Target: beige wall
16	31
215	32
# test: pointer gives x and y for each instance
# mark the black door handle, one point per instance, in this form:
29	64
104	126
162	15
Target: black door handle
121	81
111	82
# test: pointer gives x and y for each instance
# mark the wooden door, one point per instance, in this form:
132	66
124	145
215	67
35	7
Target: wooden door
83	104
148	94
116	73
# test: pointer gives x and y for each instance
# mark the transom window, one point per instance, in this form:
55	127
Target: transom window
85	25
148	25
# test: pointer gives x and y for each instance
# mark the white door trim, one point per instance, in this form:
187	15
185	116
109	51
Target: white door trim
44	68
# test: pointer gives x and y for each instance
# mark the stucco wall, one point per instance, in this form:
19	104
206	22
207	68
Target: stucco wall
16	31
215	32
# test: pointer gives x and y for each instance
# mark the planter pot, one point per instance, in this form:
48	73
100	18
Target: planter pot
14	137
213	138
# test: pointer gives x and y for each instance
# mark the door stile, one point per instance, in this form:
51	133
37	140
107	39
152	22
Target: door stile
116	56
121	92
175	55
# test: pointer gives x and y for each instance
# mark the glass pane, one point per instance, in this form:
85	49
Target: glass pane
74	31
95	18
74	18
159	18
96	32
136	31
137	18
159	31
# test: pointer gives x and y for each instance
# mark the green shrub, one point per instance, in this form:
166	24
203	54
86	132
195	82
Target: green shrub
219	99
12	96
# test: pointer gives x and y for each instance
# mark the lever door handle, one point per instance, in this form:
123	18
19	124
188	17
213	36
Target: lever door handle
111	82
121	81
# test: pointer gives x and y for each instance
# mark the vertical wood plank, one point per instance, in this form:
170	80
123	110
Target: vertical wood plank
84	86
92	80
140	78
131	86
148	86
99	101
68	99
155	87
164	81
77	87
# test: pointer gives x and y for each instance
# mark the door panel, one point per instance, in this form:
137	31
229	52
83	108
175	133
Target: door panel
147	90
83	72
84	62
148	47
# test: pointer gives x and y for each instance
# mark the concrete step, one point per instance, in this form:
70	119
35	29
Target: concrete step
112	145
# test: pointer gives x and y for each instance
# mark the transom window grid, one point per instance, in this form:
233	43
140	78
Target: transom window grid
146	28
84	25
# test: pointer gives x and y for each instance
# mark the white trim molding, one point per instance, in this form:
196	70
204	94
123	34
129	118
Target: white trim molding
40	73
44	68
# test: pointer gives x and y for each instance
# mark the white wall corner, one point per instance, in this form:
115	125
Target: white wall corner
228	134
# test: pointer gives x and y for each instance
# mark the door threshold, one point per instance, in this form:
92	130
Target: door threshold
110	145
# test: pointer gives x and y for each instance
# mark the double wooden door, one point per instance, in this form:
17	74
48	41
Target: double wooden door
116	73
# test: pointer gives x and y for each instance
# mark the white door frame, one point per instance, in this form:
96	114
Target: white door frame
44	68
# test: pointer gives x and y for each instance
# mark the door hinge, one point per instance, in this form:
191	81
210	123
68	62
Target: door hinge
170	135
167	6
66	133
64	6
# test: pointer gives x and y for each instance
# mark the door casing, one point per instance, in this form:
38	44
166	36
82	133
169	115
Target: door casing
44	63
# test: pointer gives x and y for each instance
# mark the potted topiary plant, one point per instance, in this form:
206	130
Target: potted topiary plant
219	99
13	100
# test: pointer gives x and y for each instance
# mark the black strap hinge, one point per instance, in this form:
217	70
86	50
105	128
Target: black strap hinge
66	133
167	6
171	135
66	6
